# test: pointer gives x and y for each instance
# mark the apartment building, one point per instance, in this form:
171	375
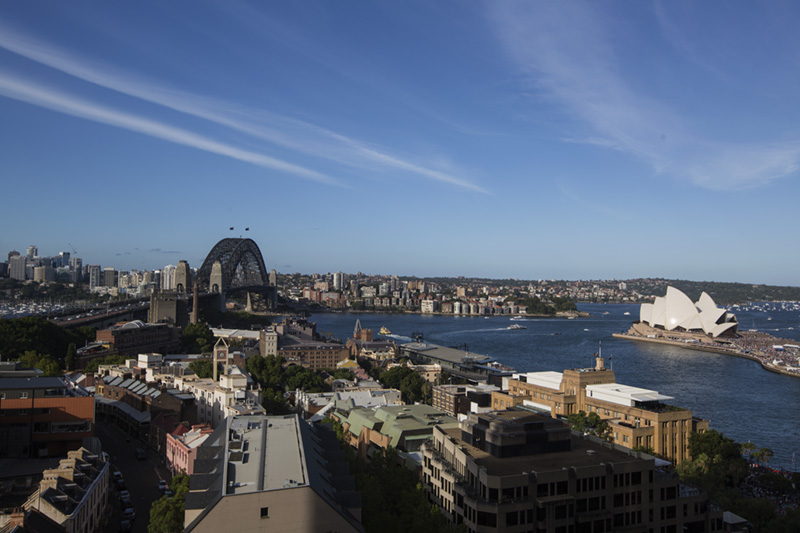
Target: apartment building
75	494
231	395
519	471
638	417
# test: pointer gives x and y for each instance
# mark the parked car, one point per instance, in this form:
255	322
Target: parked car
126	503
124	495
141	454
128	514
162	485
168	493
117	475
125	525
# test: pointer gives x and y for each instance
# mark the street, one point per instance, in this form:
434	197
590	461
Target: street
141	476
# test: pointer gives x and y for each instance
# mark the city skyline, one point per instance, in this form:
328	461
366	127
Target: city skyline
512	140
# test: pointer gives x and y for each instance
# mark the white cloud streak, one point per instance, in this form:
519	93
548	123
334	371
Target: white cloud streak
29	92
315	141
566	52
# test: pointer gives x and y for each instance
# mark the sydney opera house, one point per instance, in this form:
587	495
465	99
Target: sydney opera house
676	312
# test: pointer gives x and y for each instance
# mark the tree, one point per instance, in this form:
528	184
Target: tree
36	334
273	402
716	463
166	513
44	362
591	424
407	381
204	368
69	360
197	338
267	371
298	377
748	448
766	454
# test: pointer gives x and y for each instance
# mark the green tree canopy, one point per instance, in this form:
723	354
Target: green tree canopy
407	381
197	338
19	335
298	377
166	513
44	362
591	424
204	368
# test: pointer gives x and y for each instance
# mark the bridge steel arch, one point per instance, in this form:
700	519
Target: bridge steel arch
242	266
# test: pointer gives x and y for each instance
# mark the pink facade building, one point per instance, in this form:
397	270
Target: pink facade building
182	447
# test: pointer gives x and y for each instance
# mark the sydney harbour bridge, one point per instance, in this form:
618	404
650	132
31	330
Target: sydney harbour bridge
235	266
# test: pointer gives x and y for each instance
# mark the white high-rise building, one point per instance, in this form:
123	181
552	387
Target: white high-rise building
32	252
95	278
168	278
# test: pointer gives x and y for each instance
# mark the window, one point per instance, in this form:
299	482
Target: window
265	512
23	395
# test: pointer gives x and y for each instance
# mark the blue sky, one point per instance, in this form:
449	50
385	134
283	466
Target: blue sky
569	140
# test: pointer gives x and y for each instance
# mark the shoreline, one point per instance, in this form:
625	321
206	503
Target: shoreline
713	349
559	314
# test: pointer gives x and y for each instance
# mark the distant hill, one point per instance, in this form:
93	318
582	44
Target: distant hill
735	293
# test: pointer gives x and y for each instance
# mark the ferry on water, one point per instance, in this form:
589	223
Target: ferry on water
384	331
516	326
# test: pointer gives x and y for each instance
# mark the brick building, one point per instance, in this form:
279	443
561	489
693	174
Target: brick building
43	417
133	338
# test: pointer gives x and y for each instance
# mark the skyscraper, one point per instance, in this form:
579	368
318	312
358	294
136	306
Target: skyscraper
16	267
168	278
109	277
32	252
94	276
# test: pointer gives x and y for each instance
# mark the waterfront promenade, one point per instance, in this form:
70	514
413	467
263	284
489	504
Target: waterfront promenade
754	345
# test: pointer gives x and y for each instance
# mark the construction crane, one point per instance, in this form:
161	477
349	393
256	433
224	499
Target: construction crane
74	251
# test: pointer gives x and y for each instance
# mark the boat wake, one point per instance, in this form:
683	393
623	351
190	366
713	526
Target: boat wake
400	337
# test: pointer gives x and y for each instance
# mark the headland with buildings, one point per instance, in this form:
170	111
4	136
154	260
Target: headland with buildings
674	320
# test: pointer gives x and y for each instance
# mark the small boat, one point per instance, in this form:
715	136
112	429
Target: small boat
384	331
627	313
516	326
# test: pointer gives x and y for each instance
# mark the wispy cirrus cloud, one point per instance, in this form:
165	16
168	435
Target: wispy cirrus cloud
160	251
46	97
566	53
286	132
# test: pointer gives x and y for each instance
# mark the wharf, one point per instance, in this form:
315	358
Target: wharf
735	351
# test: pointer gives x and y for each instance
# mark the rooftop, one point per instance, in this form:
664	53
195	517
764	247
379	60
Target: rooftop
585	452
255	453
32	383
624	394
443	353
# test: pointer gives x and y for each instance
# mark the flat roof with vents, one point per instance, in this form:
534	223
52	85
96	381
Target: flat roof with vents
624	394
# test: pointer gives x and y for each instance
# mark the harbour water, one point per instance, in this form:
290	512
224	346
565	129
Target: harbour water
741	399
